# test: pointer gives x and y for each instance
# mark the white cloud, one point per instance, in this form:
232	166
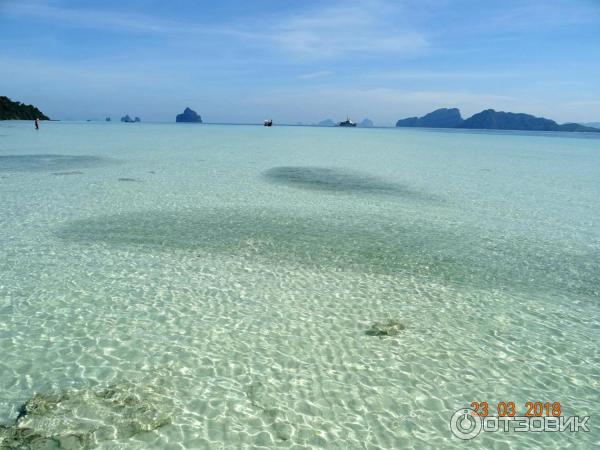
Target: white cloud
540	14
88	18
440	75
312	75
104	19
344	28
341	29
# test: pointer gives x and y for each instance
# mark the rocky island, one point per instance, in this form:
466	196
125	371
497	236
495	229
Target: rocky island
489	120
10	110
440	118
188	116
127	119
326	123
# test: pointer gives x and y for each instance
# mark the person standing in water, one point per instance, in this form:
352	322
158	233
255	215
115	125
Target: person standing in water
37	123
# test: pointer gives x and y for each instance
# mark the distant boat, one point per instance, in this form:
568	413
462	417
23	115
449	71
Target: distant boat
268	123
347	123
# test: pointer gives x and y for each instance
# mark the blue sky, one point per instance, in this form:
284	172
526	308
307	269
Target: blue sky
246	60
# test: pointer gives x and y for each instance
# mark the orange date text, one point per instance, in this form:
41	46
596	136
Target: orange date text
510	409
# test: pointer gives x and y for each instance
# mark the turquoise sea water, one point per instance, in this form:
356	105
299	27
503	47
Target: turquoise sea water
177	286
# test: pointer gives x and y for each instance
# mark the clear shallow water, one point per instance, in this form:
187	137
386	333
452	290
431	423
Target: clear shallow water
172	286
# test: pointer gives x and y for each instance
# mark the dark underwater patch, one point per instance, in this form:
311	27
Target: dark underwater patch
83	418
382	329
50	162
70	172
337	180
130	180
452	255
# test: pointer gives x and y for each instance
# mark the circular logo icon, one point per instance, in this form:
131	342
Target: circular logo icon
465	424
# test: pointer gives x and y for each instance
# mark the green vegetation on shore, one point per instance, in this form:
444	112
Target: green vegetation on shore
10	110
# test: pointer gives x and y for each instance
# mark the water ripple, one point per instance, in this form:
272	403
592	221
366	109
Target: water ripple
50	162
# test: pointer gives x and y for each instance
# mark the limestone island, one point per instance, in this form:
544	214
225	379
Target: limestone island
188	116
489	120
127	119
327	123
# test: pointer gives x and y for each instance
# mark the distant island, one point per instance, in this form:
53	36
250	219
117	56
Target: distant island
188	116
128	119
10	110
327	123
592	124
366	123
440	118
489	120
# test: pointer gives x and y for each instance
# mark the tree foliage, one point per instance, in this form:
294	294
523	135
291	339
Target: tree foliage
10	110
